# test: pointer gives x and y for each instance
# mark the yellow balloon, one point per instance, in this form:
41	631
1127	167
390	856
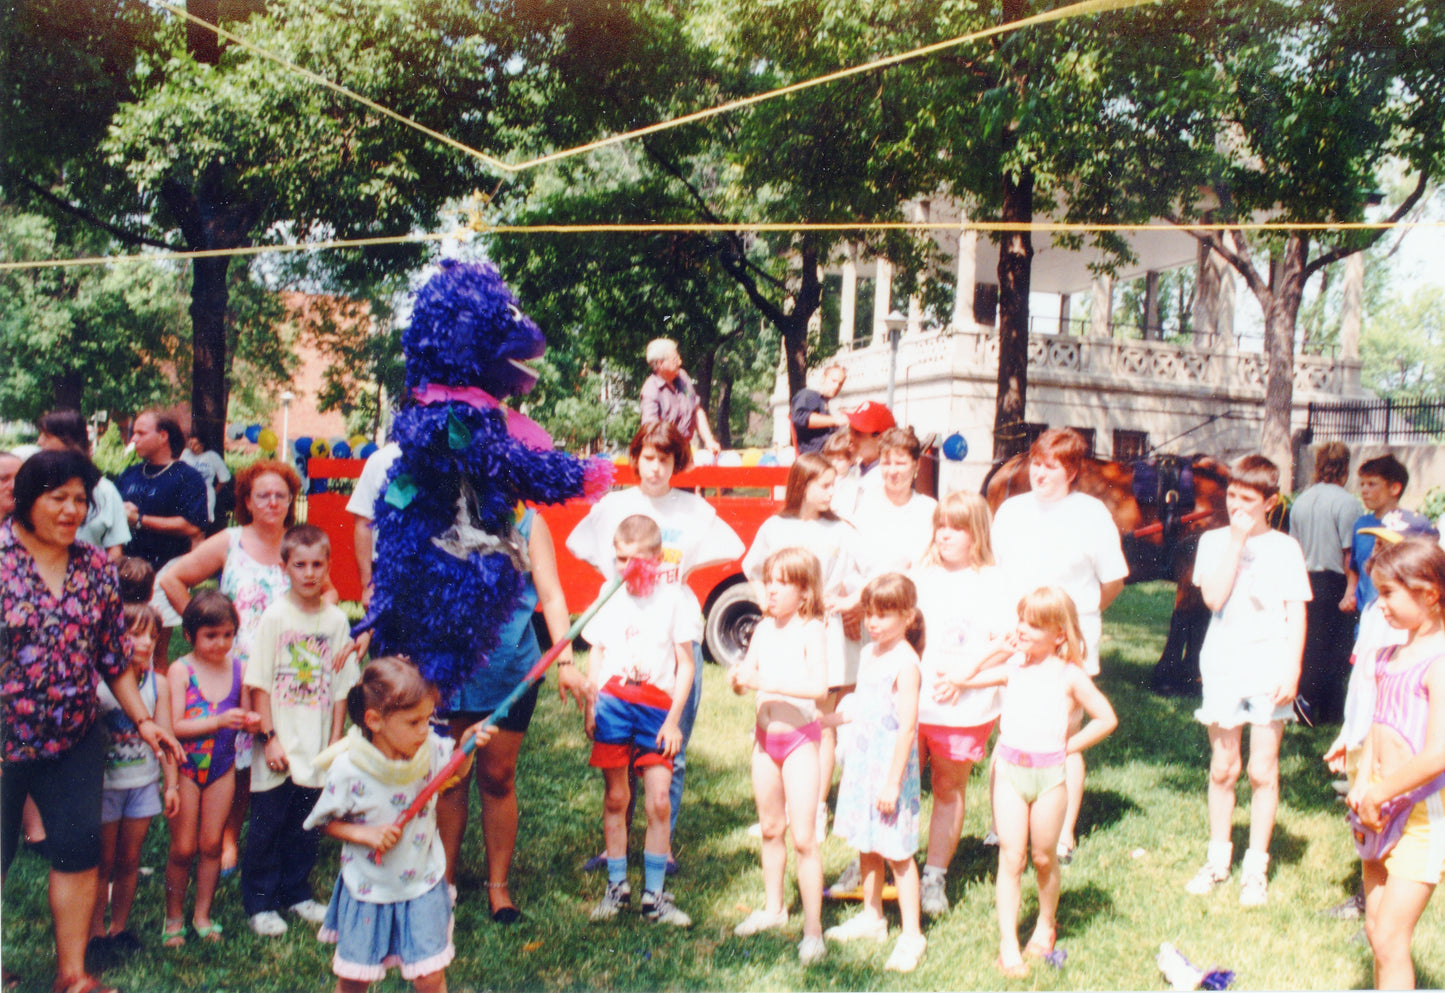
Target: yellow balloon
356	441
751	456
267	440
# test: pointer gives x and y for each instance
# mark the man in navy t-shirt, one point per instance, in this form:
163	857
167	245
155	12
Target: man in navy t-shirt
165	499
812	422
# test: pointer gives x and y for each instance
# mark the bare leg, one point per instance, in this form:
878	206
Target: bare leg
215	809
905	878
801	787
104	871
950	779
497	783
231	837
828	746
1393	906
656	784
1011	814
31	823
1074	787
72	900
127	869
432	982
617	793
1223	774
185	827
1264	740
452	814
768	794
1046	817
351	986
871	864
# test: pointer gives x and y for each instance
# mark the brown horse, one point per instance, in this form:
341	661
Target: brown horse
1160	507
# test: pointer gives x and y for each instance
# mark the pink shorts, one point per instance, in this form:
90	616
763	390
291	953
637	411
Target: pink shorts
778	745
954	744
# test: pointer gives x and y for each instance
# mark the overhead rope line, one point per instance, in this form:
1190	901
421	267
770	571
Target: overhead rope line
1085	7
761	227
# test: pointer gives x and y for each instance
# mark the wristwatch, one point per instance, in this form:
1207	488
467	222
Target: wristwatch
265	736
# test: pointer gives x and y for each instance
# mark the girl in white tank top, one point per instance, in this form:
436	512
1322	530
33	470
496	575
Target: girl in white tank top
1040	668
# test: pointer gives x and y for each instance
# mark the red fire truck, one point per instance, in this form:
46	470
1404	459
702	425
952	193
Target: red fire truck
744	498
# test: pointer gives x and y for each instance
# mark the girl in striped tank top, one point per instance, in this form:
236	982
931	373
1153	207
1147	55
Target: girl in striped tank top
1398	803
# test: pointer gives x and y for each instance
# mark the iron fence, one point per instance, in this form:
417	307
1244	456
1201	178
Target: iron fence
1384	422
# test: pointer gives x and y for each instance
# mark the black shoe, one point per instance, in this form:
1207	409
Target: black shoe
99	954
506	915
124	944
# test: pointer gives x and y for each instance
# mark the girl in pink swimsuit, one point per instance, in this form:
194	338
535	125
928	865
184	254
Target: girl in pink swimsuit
1398	803
787	665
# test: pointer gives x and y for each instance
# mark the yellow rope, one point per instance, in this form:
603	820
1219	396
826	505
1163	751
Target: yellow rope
1063	13
1059	227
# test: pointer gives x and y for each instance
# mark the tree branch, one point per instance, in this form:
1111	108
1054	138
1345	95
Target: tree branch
125	236
1341	251
1238	260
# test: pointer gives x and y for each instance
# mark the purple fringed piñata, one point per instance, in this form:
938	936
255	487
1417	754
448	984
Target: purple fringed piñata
449	560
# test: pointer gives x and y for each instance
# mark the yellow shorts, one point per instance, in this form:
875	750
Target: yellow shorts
1420	853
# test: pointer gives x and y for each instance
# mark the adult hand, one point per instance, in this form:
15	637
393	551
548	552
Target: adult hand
1349	605
132	513
162	742
571	682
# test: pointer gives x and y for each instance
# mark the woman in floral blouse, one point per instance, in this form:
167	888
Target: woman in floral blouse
62	628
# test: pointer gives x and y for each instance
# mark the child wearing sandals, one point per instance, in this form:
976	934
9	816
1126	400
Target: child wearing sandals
1397	803
129	800
205	688
878	798
786	664
390	906
1041	670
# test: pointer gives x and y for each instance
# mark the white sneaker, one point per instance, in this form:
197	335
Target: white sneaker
990	839
1253	889
309	910
907	952
616	897
812	950
932	898
755	830
761	920
268	924
862	925
1204	881
659	909
849	879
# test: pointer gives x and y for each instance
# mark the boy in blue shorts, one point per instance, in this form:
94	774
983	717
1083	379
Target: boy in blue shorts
1254	581
640	673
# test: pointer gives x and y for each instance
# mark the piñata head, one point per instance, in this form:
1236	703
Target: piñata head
467	330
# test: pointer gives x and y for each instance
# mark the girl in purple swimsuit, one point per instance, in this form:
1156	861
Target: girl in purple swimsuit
205	689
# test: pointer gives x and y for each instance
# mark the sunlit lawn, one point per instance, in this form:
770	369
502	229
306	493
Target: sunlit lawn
1142	835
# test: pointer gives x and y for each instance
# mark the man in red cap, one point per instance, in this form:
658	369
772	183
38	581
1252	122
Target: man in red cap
865	424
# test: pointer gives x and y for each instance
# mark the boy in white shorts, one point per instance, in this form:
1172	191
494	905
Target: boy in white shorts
1254	580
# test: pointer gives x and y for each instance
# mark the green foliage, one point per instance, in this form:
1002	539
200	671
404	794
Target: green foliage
1402	346
109	452
89	338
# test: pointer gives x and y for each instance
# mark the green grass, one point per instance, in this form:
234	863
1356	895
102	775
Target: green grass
1142	835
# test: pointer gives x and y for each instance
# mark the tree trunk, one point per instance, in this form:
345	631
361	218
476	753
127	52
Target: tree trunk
722	428
1015	267
66	390
209	298
1281	311
795	325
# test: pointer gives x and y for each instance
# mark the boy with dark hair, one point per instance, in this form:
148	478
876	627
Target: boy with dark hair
1382	482
300	670
1253	579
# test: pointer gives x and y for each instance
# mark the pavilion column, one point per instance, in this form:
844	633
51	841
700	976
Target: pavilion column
1102	309
1152	330
882	298
848	306
967	279
1351	315
1066	302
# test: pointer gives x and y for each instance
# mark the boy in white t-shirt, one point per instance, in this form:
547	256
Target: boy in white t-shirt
1254	580
640	675
302	665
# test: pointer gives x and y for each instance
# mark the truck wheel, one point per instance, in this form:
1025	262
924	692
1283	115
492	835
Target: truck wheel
730	623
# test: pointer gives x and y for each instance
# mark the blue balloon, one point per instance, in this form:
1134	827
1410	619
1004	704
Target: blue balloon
341	450
253	433
955	449
303	446
367	450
